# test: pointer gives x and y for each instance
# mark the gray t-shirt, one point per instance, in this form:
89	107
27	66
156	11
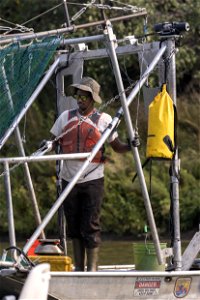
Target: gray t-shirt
71	167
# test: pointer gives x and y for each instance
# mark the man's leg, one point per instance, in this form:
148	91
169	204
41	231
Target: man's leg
79	254
92	195
72	209
92	259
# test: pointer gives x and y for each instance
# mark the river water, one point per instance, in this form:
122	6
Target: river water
112	252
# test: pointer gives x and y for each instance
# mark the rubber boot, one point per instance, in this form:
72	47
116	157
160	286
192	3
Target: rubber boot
92	259
79	254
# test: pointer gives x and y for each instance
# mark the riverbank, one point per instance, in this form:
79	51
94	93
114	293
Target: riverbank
186	236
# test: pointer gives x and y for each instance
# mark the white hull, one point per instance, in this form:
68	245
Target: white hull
125	285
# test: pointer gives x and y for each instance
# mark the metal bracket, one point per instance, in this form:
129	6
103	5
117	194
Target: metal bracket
191	252
167	252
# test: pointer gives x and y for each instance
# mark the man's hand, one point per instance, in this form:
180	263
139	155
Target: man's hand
45	146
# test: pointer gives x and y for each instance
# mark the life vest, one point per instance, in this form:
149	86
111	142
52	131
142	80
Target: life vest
81	135
161	127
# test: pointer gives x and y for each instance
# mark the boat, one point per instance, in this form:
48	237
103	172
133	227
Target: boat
180	278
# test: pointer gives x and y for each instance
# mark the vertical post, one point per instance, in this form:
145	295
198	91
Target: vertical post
171	80
22	152
131	133
9	204
103	12
66	13
29	180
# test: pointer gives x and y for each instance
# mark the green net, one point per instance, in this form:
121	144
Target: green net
21	68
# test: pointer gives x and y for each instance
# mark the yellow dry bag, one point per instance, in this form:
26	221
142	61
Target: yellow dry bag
160	139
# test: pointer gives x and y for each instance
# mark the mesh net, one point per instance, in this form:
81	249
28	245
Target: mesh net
21	68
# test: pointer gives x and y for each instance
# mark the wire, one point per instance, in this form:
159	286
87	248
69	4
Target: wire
82	10
18	27
24	131
124	70
21	252
6	21
138	97
42	14
11	169
127	7
32	19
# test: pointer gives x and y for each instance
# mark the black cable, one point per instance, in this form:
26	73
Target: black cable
150	178
21	252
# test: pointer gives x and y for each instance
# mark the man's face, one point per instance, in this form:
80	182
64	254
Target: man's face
84	99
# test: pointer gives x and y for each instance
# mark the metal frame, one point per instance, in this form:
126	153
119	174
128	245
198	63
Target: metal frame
125	274
131	133
109	37
91	156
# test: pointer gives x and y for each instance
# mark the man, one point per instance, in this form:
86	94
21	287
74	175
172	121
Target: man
80	129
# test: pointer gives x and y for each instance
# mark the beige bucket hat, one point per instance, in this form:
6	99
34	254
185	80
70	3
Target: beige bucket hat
90	85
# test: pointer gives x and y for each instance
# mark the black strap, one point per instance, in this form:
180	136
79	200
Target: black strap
143	165
72	113
95	117
175	128
168	142
91	170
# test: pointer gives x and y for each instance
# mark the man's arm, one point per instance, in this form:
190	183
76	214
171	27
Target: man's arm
119	146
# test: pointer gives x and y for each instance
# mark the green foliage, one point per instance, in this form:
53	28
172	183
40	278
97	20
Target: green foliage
190	201
123	207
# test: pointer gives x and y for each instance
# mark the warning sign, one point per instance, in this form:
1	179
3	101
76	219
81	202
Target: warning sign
147	286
